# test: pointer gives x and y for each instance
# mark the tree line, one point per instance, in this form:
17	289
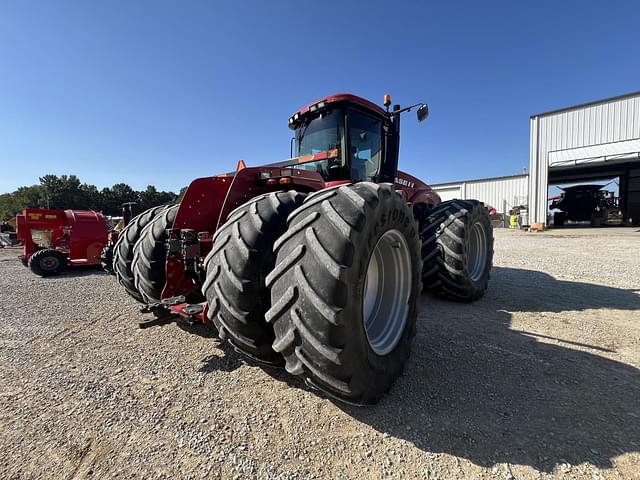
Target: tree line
68	192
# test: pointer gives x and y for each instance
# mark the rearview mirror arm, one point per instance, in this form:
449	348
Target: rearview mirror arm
405	109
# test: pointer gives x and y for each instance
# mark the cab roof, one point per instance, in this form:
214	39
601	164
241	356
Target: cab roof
343	97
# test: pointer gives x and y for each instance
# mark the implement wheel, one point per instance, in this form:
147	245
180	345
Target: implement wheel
150	255
48	262
344	290
457	250
241	257
123	250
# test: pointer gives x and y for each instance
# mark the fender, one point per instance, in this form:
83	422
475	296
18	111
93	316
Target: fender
207	203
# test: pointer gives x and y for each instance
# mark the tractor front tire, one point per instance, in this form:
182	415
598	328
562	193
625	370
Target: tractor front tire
344	290
457	250
240	259
150	256
48	262
123	250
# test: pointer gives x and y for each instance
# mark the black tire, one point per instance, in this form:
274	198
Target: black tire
558	219
150	255
123	250
318	286
240	259
47	262
106	259
448	266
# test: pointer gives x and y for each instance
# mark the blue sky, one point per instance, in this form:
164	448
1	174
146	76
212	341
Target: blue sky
164	92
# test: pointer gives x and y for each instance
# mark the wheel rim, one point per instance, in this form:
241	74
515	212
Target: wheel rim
49	263
387	286
477	253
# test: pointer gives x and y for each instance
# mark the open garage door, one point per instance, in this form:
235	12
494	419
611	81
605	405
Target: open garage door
626	172
604	154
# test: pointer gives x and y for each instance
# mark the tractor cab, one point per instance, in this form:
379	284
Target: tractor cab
345	137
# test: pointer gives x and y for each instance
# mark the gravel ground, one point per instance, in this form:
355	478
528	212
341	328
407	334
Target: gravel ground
539	379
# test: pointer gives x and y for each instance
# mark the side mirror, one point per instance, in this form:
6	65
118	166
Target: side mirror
423	112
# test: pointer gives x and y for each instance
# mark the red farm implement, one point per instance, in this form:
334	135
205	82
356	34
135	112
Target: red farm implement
54	240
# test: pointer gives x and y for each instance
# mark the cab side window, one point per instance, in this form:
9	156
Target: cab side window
365	153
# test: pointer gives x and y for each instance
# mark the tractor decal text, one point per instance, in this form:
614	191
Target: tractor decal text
404	183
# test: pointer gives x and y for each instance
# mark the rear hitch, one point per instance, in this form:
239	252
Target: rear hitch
186	250
162	315
173	309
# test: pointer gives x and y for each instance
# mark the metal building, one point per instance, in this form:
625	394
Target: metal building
583	143
502	193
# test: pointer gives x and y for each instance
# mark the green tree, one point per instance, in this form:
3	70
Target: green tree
29	197
7	202
91	198
62	192
151	197
114	197
67	192
23	197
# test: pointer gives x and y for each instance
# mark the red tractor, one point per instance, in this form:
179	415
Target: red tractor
316	261
54	240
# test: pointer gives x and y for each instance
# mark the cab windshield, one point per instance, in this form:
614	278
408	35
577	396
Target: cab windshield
320	135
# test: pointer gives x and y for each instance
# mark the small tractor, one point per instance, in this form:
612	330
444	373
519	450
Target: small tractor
316	262
54	240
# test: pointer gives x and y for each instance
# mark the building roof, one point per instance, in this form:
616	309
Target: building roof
475	180
587	104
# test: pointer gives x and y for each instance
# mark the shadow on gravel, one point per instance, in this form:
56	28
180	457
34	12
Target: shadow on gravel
77	272
476	389
72	272
233	360
532	291
230	361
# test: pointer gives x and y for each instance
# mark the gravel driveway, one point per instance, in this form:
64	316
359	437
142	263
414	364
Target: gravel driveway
540	378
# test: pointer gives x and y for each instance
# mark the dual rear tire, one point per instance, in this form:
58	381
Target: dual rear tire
241	256
457	250
150	255
340	301
123	250
344	291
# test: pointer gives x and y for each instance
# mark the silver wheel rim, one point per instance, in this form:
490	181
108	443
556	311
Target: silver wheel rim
387	286
477	253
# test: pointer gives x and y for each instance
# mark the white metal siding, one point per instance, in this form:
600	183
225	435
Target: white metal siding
500	193
554	135
449	193
496	192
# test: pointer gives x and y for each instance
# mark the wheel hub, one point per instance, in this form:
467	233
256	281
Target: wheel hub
49	263
477	253
387	287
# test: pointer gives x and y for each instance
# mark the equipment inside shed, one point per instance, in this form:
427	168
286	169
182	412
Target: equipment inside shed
598	200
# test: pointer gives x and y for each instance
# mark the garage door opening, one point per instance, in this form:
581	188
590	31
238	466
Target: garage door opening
595	204
616	202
